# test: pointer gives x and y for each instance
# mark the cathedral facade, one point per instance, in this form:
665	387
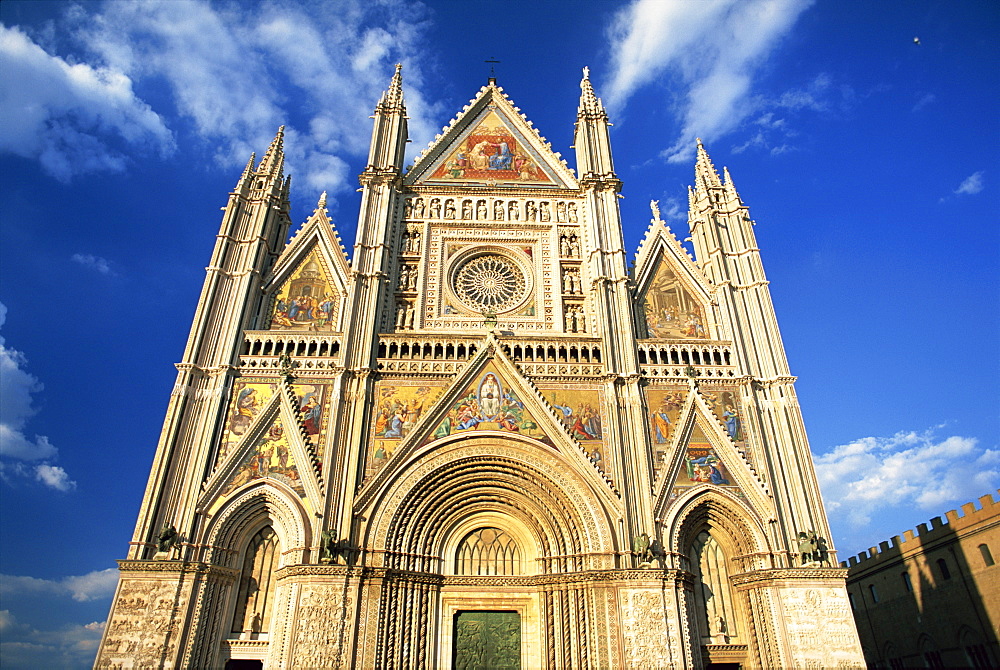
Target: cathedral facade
482	441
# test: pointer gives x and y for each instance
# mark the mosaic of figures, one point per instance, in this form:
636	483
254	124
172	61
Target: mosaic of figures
399	409
307	301
250	397
664	411
489	403
701	463
580	411
271	458
483	209
491	153
669	308
726	406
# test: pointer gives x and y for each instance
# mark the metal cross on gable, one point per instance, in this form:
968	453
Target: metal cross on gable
493	63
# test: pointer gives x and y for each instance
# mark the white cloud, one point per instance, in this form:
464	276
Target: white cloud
971	185
95	585
238	72
17	386
24	646
712	49
70	116
877	477
55	477
96	263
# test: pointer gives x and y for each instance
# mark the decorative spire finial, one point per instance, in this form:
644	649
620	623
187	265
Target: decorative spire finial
394	96
705	174
589	104
321	205
654	205
274	158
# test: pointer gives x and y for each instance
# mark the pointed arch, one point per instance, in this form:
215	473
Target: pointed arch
715	508
243	515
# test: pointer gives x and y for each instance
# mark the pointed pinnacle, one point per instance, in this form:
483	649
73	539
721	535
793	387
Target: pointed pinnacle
274	157
705	174
248	170
321	205
394	96
589	104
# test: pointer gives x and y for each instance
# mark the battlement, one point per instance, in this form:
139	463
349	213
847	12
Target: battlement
914	540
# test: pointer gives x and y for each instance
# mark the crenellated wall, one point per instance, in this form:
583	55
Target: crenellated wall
932	595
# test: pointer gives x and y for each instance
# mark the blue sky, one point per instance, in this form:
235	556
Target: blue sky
869	162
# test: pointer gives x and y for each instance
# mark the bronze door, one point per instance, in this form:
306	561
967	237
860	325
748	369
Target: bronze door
487	641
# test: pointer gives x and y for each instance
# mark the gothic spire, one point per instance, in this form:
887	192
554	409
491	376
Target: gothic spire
727	180
705	174
589	102
274	158
392	98
248	170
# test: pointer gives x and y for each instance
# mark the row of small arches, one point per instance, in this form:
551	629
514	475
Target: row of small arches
495	210
682	356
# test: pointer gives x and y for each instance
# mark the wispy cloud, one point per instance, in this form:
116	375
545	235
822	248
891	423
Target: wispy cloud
881	477
925	99
970	185
704	47
81	588
19	452
237	72
25	646
70	116
95	263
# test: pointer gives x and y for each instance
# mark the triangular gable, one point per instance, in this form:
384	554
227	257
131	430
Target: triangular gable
704	455
491	143
308	284
274	448
672	293
490	397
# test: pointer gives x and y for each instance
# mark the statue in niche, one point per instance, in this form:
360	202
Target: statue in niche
544	214
167	538
466	210
449	209
435	208
561	212
498	210
408	209
414	242
481	210
563	246
530	211
571	207
512	211
418	209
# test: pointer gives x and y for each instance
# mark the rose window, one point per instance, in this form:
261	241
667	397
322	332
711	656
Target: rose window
490	283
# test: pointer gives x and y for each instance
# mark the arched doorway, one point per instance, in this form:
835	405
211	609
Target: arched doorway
719	539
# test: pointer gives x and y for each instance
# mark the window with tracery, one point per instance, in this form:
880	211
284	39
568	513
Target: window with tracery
488	551
256	587
490	282
714	604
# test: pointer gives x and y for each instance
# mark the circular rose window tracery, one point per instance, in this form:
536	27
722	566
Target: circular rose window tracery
490	282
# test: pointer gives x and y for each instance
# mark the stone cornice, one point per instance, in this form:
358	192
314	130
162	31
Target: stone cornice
655	575
789	575
187	567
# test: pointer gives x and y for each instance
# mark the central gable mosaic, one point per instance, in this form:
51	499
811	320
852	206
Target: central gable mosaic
492	153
